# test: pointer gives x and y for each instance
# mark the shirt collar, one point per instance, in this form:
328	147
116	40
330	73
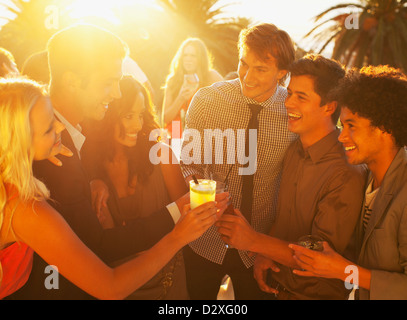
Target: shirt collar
319	149
266	104
75	132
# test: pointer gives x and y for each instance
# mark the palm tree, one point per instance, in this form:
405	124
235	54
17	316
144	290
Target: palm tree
374	33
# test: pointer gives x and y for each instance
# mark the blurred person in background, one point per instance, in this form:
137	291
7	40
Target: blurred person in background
36	67
191	69
131	67
8	67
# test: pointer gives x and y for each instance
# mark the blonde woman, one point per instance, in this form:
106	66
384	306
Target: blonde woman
28	132
191	69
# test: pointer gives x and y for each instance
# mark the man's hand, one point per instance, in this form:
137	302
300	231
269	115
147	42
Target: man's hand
222	202
236	231
100	194
327	263
65	152
260	270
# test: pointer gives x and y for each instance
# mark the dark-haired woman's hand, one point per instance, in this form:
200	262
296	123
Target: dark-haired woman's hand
193	223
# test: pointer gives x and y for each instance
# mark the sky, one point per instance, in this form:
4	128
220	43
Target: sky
293	16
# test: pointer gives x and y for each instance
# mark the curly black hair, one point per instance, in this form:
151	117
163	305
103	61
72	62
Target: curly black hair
377	93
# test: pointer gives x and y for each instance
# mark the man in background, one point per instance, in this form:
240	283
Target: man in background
8	65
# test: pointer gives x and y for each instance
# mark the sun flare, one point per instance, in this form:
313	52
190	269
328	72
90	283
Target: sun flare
105	9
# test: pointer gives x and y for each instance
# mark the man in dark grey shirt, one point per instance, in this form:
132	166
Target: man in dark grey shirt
320	193
374	116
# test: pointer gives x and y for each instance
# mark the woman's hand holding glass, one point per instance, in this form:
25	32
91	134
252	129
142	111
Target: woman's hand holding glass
189	87
193	223
186	92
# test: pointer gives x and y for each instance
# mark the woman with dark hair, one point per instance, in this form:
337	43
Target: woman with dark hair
117	152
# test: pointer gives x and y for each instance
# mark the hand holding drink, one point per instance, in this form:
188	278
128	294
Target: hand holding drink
206	190
191	80
221	186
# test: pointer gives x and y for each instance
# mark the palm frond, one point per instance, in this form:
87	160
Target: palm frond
401	24
377	44
329	41
360	51
10	8
339	6
317	27
395	47
348	39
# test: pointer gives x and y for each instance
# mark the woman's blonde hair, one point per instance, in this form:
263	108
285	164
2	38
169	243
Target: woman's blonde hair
17	97
176	76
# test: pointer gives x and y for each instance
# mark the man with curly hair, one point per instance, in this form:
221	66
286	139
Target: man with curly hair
374	117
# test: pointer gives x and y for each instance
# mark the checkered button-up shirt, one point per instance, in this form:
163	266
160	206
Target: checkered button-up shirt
222	106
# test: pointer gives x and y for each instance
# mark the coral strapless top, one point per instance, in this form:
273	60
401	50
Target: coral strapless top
15	263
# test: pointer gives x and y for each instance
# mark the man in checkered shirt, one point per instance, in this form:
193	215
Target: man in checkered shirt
265	53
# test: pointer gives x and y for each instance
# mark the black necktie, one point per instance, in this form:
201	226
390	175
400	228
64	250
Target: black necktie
247	187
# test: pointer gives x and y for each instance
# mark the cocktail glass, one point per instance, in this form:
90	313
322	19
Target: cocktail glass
202	192
311	242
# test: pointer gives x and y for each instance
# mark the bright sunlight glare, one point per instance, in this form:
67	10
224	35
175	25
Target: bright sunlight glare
105	9
80	9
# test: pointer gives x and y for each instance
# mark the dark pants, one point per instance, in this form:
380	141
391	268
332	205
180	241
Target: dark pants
204	277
